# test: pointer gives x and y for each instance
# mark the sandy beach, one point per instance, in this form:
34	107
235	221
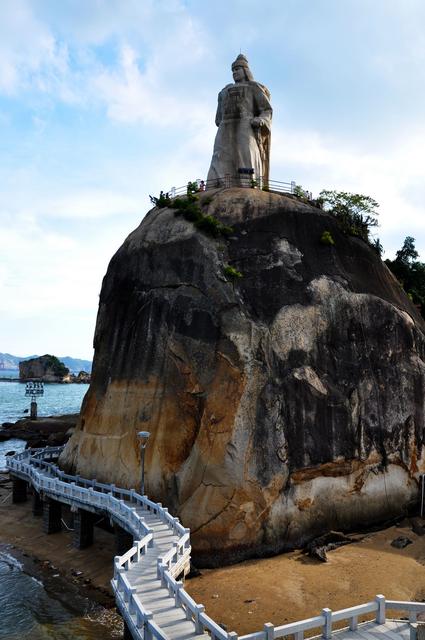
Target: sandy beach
90	569
292	586
242	597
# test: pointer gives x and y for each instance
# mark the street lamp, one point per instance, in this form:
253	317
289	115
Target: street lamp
143	437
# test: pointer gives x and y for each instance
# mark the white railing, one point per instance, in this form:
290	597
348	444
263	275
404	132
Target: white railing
36	463
241	180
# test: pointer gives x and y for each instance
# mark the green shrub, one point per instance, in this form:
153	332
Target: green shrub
299	191
377	245
56	365
326	238
163	200
232	273
192	187
210	225
355	213
190	210
226	230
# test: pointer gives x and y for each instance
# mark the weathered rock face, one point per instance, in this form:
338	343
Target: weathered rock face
281	405
46	368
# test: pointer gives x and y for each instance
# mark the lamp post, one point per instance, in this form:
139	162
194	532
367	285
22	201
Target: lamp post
143	437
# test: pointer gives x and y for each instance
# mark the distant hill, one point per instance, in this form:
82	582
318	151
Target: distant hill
75	365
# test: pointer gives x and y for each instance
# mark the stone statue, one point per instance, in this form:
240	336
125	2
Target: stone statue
244	117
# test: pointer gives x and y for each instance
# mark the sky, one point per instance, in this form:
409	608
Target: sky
103	102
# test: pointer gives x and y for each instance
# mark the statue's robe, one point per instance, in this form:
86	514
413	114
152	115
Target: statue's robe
239	145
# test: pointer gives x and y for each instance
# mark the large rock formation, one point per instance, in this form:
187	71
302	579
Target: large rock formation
281	404
46	368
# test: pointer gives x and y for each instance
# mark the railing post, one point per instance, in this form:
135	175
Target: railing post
354	622
164	567
179	586
158	567
232	635
269	631
380	614
131	605
116	566
327	627
147	634
199	627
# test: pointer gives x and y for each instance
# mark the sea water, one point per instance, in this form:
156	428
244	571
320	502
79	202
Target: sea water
30	612
58	399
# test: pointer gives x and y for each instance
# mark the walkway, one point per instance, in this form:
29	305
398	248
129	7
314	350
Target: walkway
149	596
390	630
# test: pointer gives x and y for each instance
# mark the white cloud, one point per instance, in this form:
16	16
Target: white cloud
29	54
155	68
95	203
157	46
319	163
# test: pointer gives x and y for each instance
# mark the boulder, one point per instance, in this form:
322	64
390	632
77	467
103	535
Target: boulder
282	402
48	431
401	542
45	368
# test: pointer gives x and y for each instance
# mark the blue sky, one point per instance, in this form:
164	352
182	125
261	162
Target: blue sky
103	102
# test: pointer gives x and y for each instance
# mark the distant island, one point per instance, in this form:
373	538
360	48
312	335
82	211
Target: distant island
9	362
49	368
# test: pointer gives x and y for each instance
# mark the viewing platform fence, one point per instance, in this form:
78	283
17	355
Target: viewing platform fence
244	181
131	509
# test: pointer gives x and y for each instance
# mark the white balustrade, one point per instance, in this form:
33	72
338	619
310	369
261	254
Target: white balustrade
119	503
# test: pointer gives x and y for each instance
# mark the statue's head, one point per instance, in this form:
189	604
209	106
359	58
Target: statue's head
241	70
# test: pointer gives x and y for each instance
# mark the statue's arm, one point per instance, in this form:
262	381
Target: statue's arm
264	111
219	115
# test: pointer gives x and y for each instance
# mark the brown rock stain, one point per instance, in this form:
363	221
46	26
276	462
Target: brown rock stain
304	504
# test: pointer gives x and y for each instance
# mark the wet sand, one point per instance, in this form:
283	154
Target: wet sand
90	569
243	597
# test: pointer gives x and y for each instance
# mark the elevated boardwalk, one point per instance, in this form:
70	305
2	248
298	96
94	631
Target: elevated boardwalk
148	592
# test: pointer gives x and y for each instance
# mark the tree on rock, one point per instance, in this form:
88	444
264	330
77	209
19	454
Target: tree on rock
410	272
356	213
